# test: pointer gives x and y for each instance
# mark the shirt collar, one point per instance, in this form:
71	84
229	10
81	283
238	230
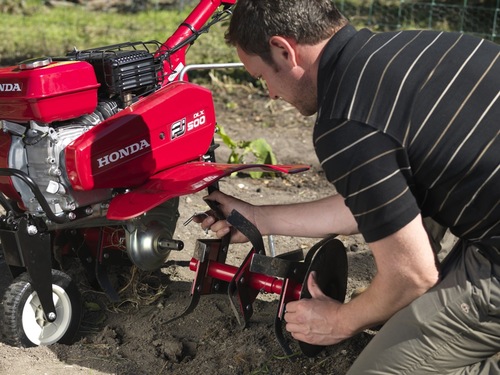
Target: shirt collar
334	47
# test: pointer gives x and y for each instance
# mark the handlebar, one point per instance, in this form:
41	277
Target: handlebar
175	47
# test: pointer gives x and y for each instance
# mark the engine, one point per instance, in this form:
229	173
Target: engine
91	123
36	149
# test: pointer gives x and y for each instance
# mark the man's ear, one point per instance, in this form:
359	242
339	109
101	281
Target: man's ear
283	50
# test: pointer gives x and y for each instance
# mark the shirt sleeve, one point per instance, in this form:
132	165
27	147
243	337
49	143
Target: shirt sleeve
371	171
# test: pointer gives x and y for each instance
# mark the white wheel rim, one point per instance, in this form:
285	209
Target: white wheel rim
38	329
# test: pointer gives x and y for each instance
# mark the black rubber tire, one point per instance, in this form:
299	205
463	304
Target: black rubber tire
22	321
5	274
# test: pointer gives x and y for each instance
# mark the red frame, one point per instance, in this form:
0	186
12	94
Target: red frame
194	21
183	179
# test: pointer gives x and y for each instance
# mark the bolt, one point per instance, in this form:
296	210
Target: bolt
32	230
51	316
242	280
248	307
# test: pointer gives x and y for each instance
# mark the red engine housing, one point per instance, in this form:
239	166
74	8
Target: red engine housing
172	126
55	92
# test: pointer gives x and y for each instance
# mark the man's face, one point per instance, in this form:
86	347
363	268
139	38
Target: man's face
282	82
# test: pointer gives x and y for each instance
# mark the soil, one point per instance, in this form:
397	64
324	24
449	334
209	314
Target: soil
134	337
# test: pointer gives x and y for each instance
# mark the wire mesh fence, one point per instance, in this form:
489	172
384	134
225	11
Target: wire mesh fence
478	17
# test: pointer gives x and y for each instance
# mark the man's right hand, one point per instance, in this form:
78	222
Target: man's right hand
225	204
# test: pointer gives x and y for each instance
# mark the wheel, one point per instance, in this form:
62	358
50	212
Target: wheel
23	321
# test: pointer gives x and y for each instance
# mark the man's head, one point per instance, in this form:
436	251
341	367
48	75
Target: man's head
308	22
281	42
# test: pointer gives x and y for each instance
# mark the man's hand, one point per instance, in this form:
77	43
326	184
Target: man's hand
225	204
315	320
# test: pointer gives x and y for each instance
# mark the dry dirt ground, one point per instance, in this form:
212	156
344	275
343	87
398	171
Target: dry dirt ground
132	338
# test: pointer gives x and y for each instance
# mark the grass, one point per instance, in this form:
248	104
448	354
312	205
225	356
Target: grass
42	31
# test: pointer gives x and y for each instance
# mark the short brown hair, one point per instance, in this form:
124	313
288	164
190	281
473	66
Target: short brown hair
306	21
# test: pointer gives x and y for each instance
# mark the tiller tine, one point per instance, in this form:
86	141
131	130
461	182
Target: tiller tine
328	258
240	295
285	275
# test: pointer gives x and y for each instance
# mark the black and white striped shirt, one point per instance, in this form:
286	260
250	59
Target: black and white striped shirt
408	123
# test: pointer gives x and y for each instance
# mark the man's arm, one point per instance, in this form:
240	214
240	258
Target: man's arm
406	269
315	219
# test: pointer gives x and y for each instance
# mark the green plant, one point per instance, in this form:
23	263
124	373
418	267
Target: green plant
260	150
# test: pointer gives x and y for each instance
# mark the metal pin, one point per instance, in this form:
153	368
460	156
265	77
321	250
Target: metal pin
193	216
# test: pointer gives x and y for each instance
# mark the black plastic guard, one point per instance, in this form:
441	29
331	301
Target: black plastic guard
329	259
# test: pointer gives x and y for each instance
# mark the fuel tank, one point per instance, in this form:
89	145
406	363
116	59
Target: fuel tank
46	91
172	126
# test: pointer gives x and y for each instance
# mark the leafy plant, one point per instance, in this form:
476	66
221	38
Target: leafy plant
259	149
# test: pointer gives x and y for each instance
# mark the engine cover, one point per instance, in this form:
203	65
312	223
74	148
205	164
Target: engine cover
174	125
52	92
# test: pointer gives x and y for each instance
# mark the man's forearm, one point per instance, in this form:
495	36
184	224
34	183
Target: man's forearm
406	270
315	219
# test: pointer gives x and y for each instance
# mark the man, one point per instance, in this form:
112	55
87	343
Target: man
407	127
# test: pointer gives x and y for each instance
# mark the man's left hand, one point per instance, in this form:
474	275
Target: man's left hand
315	320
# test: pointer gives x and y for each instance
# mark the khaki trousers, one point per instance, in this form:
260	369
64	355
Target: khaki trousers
452	329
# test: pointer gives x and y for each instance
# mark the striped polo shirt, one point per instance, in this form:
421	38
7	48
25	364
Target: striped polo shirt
408	123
